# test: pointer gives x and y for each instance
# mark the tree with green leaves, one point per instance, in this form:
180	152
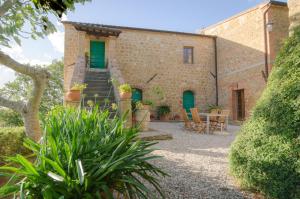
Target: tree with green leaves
21	89
14	14
266	154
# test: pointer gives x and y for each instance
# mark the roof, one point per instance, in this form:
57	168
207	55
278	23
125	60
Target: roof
278	3
272	2
95	27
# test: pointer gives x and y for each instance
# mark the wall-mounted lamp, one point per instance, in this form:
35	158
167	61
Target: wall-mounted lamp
269	26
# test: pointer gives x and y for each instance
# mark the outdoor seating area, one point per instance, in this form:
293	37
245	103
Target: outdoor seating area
215	120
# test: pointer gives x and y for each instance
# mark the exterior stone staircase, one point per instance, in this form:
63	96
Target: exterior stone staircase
99	89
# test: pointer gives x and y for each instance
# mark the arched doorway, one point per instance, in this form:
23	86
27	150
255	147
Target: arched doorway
137	95
188	100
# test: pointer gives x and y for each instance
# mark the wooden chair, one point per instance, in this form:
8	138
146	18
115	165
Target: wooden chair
187	123
200	126
214	120
222	119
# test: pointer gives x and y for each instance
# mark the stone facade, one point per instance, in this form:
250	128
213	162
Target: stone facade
294	13
148	58
243	46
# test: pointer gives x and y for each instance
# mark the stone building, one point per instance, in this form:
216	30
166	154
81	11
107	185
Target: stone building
226	64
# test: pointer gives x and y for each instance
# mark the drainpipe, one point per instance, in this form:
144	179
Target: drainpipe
216	72
266	43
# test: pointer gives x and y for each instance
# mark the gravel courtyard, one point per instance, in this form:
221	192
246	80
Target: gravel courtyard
197	163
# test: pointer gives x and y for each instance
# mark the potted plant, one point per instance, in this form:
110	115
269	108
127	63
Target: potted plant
75	91
163	112
125	91
147	104
142	116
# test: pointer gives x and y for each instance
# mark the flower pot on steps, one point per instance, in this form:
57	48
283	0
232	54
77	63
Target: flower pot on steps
73	95
125	95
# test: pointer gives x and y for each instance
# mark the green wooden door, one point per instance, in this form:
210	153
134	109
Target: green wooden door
137	95
97	54
188	100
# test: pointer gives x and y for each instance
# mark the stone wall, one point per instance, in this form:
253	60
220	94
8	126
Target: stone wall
141	55
294	13
241	53
138	55
74	56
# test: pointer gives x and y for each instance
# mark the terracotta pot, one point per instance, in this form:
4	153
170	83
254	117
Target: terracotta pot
146	107
126	95
164	117
73	95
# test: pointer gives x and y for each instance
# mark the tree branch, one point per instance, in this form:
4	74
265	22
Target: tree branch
17	106
35	73
6	6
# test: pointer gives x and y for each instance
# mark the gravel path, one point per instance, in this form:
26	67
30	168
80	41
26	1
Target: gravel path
197	163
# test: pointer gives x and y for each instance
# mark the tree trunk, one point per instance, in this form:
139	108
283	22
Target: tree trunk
29	109
294	13
32	125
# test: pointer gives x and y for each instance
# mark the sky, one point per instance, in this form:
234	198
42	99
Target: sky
176	15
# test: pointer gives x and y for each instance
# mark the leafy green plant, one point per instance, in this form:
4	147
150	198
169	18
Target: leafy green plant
9	117
84	154
265	155
163	110
125	88
214	106
148	102
11	139
79	87
139	105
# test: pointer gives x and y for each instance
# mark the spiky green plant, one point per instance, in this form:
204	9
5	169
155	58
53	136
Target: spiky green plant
83	154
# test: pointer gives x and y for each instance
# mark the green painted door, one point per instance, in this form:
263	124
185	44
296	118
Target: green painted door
137	95
97	54
188	100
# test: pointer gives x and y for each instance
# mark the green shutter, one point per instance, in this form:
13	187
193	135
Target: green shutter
97	54
137	95
188	100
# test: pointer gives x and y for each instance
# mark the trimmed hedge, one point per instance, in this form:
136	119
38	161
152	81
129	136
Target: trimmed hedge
266	154
11	142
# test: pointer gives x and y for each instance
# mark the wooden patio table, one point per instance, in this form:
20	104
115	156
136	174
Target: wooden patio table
208	115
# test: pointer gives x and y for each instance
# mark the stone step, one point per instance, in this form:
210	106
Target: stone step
96	81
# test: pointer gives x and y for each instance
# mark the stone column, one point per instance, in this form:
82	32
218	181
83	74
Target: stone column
294	14
125	108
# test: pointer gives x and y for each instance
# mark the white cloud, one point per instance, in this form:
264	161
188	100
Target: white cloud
64	17
6	75
57	40
16	52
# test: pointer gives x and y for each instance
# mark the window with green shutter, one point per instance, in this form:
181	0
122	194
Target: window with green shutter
97	54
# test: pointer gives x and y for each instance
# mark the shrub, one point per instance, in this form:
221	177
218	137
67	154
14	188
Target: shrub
266	154
213	107
10	118
84	154
125	88
11	142
163	110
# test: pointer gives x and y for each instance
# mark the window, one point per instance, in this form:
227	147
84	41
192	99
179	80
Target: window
188	55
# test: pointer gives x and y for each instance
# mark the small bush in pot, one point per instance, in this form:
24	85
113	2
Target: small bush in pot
75	91
125	91
163	112
84	154
147	104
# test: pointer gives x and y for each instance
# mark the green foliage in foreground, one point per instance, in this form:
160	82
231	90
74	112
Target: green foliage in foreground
84	154
11	139
266	153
